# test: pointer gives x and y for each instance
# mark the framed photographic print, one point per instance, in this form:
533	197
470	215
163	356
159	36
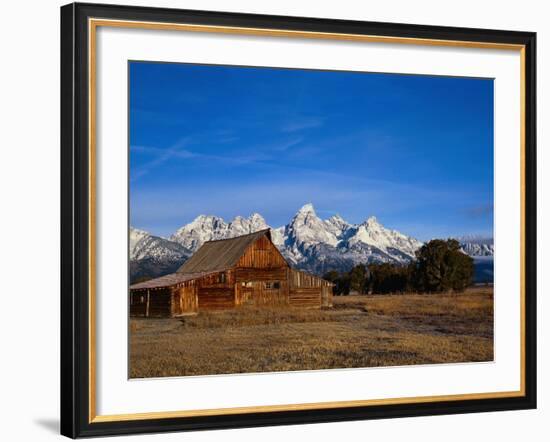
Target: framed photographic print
274	220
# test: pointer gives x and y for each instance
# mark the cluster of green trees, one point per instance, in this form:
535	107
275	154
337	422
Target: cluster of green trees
439	266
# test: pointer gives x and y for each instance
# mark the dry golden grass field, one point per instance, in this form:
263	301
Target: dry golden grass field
359	331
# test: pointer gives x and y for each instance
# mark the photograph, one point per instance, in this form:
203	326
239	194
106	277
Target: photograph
286	219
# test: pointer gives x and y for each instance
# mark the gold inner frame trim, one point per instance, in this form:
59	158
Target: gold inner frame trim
93	24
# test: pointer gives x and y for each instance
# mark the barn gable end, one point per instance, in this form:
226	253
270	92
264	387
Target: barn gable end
261	253
221	254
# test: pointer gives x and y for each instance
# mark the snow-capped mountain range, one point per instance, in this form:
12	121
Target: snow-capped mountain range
307	242
477	245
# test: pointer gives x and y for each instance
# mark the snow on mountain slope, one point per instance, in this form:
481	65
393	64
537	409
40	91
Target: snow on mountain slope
306	229
144	245
477	246
201	229
278	236
242	226
152	256
207	228
374	234
337	226
136	236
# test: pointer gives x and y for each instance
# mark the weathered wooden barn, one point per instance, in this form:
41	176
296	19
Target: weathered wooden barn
223	274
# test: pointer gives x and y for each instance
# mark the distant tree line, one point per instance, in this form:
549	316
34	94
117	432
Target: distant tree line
439	266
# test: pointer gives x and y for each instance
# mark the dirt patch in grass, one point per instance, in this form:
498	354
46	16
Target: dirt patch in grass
360	331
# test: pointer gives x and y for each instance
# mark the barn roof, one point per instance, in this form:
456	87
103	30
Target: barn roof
167	280
220	254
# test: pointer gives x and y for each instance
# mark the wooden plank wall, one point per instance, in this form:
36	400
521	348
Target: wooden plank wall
256	293
308	290
262	254
215	298
185	299
216	291
305	297
273	274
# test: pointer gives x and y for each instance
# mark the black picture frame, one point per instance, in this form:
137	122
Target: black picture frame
75	221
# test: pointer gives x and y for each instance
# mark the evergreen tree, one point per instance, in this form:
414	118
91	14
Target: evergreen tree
442	266
359	278
389	278
331	276
341	282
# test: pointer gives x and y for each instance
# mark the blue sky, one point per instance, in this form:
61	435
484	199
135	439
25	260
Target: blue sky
415	151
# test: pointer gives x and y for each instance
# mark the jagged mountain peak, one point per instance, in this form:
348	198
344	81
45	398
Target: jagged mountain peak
208	227
242	226
306	228
337	218
475	239
307	208
207	219
144	245
477	246
136	235
398	246
372	221
257	222
307	216
256	216
136	230
337	223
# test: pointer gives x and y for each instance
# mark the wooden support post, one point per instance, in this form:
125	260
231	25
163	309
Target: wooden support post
172	300
147	305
